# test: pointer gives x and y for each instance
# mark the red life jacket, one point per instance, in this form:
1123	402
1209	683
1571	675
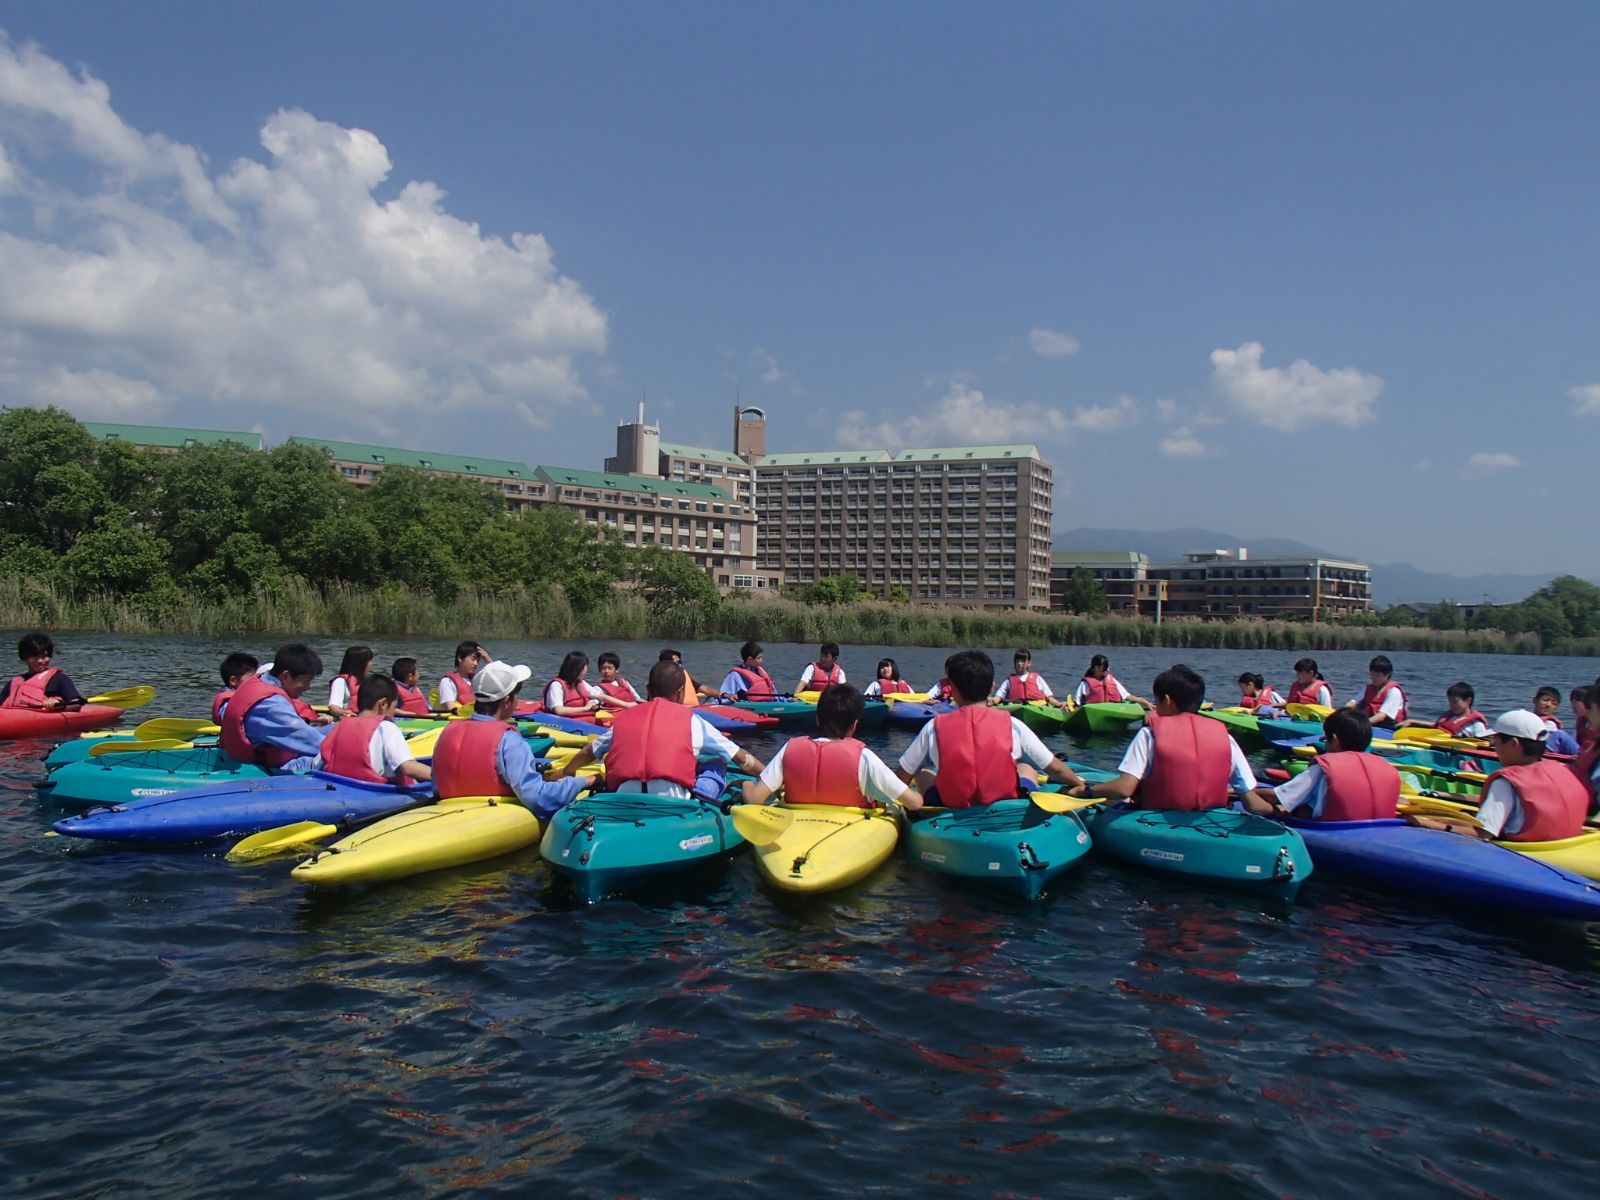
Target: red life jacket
654	740
412	700
234	742
1361	787
1586	733
1373	697
464	760
304	711
824	772
1454	725
893	687
346	751
353	684
1308	693
1021	690
1554	803
1190	764
27	691
975	757
1102	691
572	694
758	684
217	703
1583	766
618	689
821	678
464	696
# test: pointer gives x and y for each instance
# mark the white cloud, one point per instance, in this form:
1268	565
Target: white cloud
1049	343
8	173
1182	443
134	279
1495	460
965	415
767	364
1585	400
1104	418
1288	400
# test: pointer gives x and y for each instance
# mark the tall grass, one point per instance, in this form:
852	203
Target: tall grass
301	609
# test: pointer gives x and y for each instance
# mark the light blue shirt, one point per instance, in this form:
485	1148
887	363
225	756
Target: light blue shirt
272	721
514	761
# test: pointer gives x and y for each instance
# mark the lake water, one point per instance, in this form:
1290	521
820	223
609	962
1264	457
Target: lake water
173	1025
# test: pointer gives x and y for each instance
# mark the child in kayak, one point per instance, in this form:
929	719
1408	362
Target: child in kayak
1384	700
1587	765
823	673
749	680
1024	685
39	685
262	725
1100	686
1309	687
407	678
1530	798
834	768
888	681
455	686
618	692
1461	719
1256	693
368	747
1343	783
655	748
692	691
977	754
1181	760
342	691
235	669
1546	704
568	695
486	755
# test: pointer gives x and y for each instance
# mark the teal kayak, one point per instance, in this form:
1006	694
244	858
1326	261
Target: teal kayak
1103	718
801	714
1216	846
610	844
1044	719
121	778
1001	846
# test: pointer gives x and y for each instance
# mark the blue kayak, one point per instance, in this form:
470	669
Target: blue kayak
235	810
1008	845
609	844
1449	867
1216	846
914	714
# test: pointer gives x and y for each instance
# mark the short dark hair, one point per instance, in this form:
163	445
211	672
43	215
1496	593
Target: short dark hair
1583	695
668	656
1307	664
831	649
894	668
403	668
1462	690
31	644
1381	664
1549	693
465	648
609	658
1533	747
1182	686
970	672
665	681
487	708
1023	653
356	660
297	658
1350	726
572	666
839	708
376	686
749	650
237	665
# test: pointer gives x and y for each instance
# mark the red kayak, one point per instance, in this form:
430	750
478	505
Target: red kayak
735	713
39	723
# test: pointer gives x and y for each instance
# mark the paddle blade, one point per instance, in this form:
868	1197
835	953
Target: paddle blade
174	727
760	824
129	697
1060	802
285	839
1308	712
135	746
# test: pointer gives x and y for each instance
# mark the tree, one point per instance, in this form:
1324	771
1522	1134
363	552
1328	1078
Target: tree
670	580
52	494
1397	616
1443	615
899	595
116	557
1085	593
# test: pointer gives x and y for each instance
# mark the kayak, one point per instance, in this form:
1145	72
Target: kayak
995	847
120	778
77	749
1580	855
1237	722
1217	845
235	810
434	837
1103	718
1044	719
827	847
736	716
914	714
797	714
609	844
37	723
1451	868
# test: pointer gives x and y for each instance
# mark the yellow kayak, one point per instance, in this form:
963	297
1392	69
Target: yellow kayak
827	847
1580	855
432	838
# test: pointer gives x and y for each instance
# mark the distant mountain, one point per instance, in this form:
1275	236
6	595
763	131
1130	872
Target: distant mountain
1392	583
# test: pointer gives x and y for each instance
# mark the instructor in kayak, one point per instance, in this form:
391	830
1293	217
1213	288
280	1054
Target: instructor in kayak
261	724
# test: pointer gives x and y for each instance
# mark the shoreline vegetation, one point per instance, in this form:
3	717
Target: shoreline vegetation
296	608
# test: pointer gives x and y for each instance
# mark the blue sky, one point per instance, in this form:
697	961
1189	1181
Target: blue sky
1307	271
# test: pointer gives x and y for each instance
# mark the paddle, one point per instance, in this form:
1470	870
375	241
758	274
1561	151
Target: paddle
136	746
1060	802
302	835
175	727
129	697
760	824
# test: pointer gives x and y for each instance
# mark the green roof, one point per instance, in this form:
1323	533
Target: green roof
1092	557
423	460
809	458
947	453
574	477
717	456
171	436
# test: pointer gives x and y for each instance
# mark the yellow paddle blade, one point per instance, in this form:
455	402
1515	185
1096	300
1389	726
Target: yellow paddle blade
174	727
809	697
285	839
422	744
1420	733
433	697
129	697
908	697
136	746
1060	802
562	737
760	824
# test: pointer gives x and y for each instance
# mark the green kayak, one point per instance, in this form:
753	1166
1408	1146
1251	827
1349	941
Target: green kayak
1237	723
1103	718
1044	719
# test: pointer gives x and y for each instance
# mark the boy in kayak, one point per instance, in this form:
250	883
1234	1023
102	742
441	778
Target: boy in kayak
692	691
1024	685
749	680
407	678
1546	704
656	747
977	754
455	686
1384	701
235	669
262	725
619	693
1180	760
1530	798
486	755
1343	783
369	747
1586	767
1461	719
825	672
40	686
834	768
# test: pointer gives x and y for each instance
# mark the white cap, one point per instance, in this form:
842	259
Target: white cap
497	680
1520	723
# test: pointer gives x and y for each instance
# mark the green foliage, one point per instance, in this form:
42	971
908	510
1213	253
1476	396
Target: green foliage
899	595
1443	615
1397	616
1085	593
117	558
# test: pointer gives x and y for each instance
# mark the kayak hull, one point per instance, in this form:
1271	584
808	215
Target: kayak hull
17	723
995	847
1216	846
434	837
914	714
610	844
827	847
1043	719
1239	724
123	778
1103	719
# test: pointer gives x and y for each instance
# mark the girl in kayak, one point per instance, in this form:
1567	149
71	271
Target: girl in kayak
40	685
1309	687
1025	685
342	691
888	682
1100	686
834	768
368	747
455	687
1343	783
567	695
1256	693
235	669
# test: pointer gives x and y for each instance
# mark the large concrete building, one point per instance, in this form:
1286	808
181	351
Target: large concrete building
171	438
1124	576
361	464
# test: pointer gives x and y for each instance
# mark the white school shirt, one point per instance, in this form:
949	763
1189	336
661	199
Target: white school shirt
1321	694
924	749
1392	704
1082	690
339	692
1501	812
875	688
811	668
385	752
703	736
1309	789
1136	761
874	778
448	693
553	693
1004	690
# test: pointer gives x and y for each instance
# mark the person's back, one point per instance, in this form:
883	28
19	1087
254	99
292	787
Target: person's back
976	766
652	743
1189	764
834	768
464	759
367	746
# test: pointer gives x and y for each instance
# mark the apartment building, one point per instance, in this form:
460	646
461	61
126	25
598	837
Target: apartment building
1124	577
361	464
640	451
171	438
1229	583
